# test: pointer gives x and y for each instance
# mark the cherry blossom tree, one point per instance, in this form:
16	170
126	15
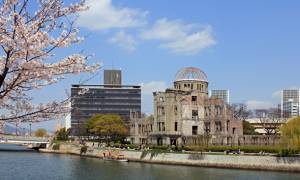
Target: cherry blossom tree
30	32
240	111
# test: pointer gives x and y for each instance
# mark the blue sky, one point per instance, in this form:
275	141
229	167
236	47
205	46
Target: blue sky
251	48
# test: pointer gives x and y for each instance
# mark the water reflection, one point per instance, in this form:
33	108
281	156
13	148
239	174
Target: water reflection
35	166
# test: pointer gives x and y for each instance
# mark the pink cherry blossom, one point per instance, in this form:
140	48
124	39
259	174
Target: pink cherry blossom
28	40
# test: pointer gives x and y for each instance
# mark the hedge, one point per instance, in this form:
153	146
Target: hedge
56	146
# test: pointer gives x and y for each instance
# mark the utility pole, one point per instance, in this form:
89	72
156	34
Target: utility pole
30	129
2	126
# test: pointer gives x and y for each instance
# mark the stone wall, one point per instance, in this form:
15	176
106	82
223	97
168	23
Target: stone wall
196	159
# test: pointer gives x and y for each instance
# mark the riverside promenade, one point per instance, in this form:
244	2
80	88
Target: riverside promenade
250	162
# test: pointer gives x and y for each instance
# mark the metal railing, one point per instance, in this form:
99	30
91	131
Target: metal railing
23	138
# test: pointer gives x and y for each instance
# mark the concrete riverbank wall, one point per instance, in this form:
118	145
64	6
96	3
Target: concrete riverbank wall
291	164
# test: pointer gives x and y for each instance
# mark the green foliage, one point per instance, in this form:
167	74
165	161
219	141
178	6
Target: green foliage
153	153
62	134
248	128
285	152
194	148
132	146
160	148
107	126
40	132
290	136
56	146
83	149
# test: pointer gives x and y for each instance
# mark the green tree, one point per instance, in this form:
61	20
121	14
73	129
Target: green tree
41	132
107	126
290	135
248	128
62	134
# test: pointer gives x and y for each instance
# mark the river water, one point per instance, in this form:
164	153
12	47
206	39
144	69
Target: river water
18	163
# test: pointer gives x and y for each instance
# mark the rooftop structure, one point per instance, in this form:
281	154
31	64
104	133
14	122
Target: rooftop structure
191	73
112	76
221	94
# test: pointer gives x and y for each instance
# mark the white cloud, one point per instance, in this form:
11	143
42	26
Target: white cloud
153	86
147	94
103	15
175	35
276	94
180	37
123	40
254	104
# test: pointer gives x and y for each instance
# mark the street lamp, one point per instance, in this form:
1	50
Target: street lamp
30	129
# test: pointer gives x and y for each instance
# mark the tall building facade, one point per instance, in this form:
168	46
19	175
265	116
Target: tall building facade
290	99
220	94
185	112
89	100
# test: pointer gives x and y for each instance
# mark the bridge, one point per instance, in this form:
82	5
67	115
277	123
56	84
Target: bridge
32	142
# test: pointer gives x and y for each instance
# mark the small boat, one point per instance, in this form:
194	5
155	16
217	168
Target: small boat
115	157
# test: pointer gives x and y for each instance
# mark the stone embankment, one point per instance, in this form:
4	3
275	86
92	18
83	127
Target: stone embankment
291	164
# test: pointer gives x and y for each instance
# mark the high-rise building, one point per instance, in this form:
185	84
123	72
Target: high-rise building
112	76
220	94
110	98
290	99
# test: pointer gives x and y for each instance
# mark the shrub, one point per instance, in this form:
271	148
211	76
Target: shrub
117	145
153	153
132	146
284	152
41	132
83	149
55	147
192	148
163	148
290	133
62	134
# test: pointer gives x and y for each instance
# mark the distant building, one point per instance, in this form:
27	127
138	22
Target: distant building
110	98
220	94
185	112
290	99
112	76
291	109
264	125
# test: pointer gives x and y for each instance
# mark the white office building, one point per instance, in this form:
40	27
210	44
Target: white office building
290	99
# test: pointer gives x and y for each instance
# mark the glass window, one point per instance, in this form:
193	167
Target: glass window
194	130
194	98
